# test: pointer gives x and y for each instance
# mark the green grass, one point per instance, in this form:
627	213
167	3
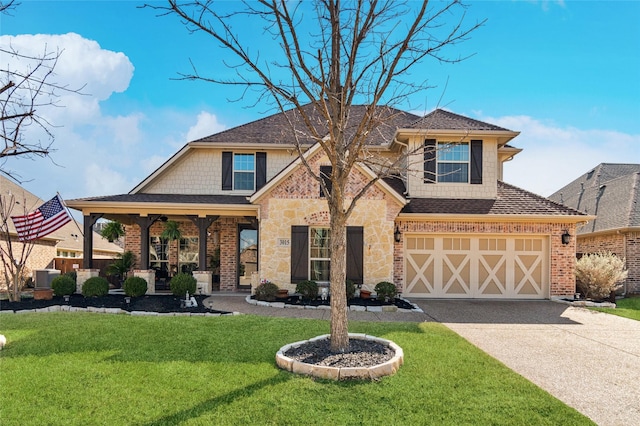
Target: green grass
628	307
87	369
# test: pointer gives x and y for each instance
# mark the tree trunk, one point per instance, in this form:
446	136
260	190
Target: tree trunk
339	319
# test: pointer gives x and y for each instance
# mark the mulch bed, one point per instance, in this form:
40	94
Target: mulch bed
297	300
156	303
361	353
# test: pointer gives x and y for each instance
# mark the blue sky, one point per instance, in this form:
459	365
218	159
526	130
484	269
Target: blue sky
564	74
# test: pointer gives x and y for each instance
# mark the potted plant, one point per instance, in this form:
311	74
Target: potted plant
112	231
121	266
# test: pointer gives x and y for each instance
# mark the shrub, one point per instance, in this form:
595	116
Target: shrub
73	275
598	274
95	287
134	286
308	289
386	290
351	289
266	291
63	285
182	283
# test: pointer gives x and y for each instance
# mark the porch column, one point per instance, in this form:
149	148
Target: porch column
203	223
87	241
145	222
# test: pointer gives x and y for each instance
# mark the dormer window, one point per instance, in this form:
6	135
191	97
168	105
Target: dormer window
244	167
452	162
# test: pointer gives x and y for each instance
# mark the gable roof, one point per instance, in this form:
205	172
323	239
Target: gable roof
609	191
277	128
440	119
510	201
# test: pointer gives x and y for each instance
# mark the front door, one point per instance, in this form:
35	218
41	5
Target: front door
247	254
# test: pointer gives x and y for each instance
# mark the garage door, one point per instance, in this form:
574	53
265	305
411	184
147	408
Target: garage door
453	266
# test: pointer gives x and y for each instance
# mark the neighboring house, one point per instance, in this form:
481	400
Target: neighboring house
62	249
450	229
611	192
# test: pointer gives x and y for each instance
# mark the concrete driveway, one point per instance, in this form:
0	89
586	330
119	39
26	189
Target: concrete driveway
587	359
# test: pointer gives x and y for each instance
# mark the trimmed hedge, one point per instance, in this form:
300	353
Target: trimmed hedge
182	283
386	290
266	291
308	289
95	287
63	285
134	287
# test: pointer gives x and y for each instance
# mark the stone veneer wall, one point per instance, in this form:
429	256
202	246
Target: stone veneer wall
623	244
296	201
562	263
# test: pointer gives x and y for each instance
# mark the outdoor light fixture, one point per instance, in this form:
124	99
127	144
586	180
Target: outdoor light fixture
397	235
566	237
164	218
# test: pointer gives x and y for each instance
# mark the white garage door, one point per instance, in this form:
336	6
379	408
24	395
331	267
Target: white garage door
471	266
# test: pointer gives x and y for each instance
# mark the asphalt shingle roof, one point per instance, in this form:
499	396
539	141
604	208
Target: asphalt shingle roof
510	200
277	128
170	198
440	119
609	191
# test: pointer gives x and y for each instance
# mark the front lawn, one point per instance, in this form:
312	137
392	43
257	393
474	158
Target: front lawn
83	368
628	307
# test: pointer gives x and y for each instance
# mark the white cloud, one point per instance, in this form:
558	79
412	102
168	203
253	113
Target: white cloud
150	164
206	124
555	155
102	180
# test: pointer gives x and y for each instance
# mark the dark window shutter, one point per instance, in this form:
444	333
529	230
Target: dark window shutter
429	161
476	162
299	254
355	254
227	171
325	175
261	169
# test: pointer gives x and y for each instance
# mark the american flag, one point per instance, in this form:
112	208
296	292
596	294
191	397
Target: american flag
43	221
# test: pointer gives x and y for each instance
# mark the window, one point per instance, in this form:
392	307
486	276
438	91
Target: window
188	254
159	256
453	162
319	254
325	175
310	254
458	162
243	171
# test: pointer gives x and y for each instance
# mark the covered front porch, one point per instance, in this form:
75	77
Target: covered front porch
218	241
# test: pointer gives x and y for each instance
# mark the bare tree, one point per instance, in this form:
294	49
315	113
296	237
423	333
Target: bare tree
332	55
27	90
14	254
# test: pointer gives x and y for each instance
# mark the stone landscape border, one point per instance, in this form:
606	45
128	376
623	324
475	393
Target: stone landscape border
67	308
342	373
354	308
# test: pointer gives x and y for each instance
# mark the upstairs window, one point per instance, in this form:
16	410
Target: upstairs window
453	162
243	171
457	162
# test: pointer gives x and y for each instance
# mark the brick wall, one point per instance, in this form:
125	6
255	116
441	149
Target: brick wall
41	257
622	244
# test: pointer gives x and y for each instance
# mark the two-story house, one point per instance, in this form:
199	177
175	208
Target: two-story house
448	226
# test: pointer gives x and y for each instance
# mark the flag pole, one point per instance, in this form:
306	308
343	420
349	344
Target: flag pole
69	213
